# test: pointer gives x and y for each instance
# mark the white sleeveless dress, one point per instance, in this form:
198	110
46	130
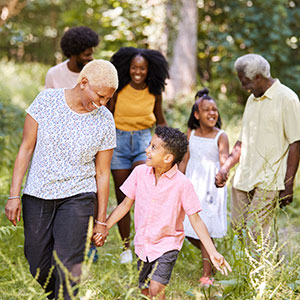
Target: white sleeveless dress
201	169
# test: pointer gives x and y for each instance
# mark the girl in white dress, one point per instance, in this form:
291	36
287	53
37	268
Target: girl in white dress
208	150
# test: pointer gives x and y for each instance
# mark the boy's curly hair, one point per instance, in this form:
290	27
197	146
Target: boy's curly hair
174	140
158	68
77	40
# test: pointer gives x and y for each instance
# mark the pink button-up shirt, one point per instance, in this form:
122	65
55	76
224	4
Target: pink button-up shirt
159	209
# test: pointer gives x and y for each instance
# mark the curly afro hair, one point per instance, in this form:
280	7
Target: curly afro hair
174	140
203	94
158	68
77	40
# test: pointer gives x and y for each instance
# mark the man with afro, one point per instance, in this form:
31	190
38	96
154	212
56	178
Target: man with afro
77	45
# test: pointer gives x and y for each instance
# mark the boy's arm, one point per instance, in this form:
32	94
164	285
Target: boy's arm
117	214
217	259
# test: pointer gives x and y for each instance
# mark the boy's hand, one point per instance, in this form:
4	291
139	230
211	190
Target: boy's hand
220	263
100	232
98	239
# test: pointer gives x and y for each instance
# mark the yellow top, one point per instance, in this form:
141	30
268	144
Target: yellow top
270	124
134	109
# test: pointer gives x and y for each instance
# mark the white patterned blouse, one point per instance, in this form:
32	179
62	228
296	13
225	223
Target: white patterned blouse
63	162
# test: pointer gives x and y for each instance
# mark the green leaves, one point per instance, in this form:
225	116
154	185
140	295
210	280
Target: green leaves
233	28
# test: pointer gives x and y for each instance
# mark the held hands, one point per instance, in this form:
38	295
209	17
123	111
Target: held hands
221	177
100	232
13	210
220	263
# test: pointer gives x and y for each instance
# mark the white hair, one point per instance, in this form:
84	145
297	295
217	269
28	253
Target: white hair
252	65
101	73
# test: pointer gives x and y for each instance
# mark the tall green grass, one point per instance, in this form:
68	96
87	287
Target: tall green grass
260	271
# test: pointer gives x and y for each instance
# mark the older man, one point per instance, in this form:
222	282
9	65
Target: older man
267	148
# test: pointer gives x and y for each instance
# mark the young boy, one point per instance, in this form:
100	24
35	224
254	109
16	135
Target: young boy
162	196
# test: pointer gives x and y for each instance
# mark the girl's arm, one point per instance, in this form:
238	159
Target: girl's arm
223	145
117	214
158	111
102	164
216	258
13	206
230	162
183	163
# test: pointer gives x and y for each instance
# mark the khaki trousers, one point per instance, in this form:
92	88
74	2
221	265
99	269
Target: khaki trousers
254	209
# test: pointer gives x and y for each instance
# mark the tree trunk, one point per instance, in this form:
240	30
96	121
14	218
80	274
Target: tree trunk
184	62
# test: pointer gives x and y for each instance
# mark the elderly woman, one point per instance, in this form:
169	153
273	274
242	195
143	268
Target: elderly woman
70	135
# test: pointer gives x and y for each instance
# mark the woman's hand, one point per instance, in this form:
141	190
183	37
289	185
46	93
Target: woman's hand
13	210
102	165
100	232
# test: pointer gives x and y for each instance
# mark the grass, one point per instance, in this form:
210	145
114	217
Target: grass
256	271
260	270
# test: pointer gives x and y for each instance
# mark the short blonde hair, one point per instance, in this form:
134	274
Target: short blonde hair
100	72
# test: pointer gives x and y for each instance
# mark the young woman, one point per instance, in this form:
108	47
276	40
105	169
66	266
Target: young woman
136	106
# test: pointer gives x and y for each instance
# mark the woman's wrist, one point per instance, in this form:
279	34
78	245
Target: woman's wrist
100	223
14	197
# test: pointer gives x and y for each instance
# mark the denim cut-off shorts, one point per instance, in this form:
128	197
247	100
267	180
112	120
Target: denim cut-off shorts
130	148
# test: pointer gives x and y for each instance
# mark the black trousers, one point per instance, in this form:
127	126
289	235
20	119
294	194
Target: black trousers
56	225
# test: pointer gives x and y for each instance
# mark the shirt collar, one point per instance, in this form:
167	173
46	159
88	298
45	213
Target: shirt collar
270	92
170	173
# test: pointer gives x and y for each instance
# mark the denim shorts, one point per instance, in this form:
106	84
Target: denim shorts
159	270
130	148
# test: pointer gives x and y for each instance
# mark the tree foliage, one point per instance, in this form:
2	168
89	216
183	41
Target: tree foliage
226	30
229	29
34	35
